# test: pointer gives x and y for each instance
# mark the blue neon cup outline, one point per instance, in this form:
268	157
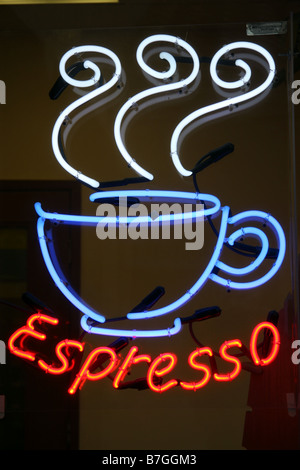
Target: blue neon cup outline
55	272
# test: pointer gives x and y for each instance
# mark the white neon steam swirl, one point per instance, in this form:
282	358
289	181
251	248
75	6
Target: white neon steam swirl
227	85
155	90
82	100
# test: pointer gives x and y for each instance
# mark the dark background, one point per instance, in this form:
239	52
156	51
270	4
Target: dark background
253	412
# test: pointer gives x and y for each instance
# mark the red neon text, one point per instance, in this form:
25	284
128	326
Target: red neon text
195	365
108	361
275	347
129	360
27	331
85	371
65	366
223	353
171	360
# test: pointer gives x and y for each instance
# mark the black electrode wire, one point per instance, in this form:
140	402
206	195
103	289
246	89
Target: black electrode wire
16	307
28	311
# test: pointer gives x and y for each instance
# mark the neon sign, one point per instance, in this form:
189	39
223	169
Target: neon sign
95	322
225	85
55	271
157	368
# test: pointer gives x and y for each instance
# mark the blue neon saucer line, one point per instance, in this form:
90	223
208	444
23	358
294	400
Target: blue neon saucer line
131	333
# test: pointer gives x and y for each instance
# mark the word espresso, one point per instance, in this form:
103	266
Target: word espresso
137	221
157	368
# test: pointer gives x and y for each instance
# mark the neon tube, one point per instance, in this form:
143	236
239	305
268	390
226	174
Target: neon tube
157	195
277	229
24	332
156	99
130	359
159	373
90	313
29	330
132	333
223	353
195	365
155	90
123	369
228	102
79	102
142	195
95	104
253	344
67	343
231	93
85	374
258	260
58	280
198	284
